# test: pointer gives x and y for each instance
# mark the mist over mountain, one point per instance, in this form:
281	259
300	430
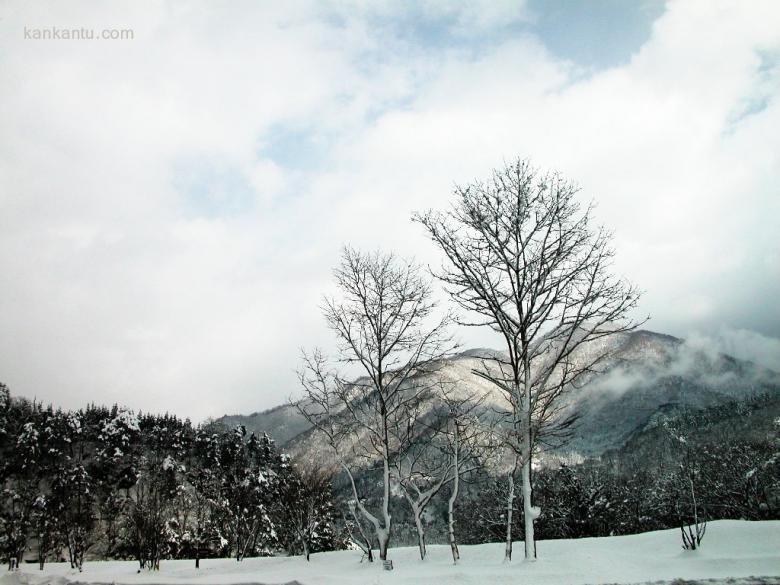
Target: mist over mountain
646	374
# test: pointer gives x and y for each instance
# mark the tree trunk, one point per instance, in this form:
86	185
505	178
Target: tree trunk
530	513
453	497
509	508
383	534
367	549
420	532
42	546
383	537
451	523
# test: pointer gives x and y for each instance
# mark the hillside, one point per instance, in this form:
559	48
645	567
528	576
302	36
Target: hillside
646	374
751	421
282	422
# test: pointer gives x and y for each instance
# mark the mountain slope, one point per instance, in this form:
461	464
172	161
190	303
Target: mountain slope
646	373
282	422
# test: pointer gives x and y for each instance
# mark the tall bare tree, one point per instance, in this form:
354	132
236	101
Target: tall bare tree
525	258
386	324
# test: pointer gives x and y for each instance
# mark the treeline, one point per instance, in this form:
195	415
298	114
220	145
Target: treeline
683	468
114	484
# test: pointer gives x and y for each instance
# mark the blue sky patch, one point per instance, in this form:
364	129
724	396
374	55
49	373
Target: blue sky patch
597	34
295	148
212	188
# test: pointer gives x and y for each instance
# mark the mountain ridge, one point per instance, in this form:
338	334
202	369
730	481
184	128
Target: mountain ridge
647	372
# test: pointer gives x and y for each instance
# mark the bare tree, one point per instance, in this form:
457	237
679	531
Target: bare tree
424	468
467	440
686	482
524	257
422	473
364	542
444	446
386	325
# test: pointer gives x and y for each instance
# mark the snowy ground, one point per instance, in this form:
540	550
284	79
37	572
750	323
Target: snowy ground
732	551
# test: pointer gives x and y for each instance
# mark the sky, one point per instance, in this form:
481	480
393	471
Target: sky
172	204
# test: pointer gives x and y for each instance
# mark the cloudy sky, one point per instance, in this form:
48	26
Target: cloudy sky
171	205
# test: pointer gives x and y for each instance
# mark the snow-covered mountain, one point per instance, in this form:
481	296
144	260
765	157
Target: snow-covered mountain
646	374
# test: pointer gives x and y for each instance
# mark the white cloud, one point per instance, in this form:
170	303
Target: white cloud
113	289
745	345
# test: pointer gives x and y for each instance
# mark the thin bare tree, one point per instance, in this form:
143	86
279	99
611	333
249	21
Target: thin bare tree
386	323
448	441
525	258
467	439
421	473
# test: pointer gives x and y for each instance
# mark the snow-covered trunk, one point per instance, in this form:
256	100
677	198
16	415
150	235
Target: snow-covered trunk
305	543
383	533
368	544
420	529
368	516
530	512
453	497
509	508
383	538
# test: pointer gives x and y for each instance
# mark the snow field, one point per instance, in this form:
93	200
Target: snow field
731	549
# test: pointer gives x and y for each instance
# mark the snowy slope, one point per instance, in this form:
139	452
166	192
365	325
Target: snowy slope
282	422
731	549
645	374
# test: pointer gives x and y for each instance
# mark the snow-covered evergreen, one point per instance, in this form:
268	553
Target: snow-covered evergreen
114	484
